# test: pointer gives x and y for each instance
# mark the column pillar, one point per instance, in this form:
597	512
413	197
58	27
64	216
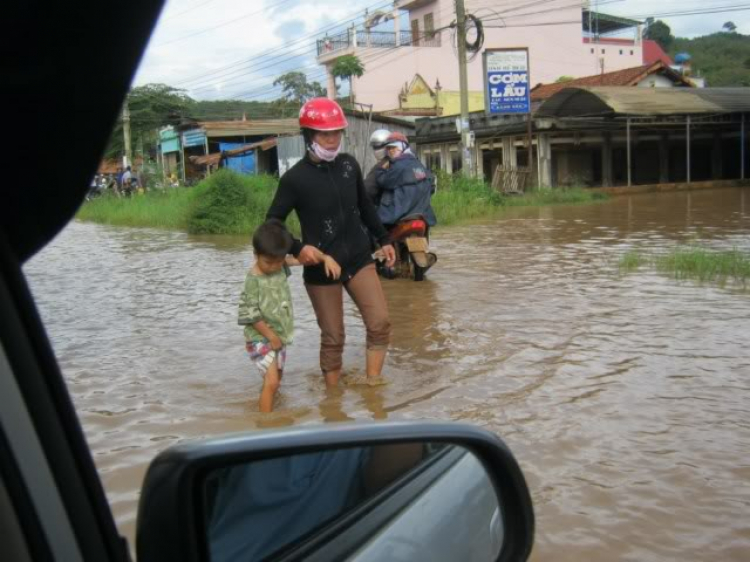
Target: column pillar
479	166
664	158
716	164
607	160
331	86
544	148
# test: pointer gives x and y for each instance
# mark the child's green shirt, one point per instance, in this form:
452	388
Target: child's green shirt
267	298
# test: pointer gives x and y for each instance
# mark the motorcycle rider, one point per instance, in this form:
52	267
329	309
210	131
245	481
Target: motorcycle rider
378	140
405	184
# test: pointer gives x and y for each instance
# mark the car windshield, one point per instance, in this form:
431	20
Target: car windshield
578	285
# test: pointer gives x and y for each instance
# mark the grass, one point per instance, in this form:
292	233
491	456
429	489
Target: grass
229	203
693	262
461	199
157	209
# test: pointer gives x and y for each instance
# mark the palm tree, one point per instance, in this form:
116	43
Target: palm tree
346	67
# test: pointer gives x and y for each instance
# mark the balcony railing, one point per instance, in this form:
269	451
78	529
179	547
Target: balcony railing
375	39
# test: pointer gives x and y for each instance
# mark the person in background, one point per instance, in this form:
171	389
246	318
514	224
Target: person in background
378	140
406	186
327	192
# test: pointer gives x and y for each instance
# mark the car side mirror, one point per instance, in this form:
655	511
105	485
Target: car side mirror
384	491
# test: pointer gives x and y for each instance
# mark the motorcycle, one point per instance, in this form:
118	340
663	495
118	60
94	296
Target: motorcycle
410	237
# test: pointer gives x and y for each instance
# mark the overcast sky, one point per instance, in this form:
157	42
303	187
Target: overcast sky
219	49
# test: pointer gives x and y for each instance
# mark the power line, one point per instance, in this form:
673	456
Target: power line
224	24
353	16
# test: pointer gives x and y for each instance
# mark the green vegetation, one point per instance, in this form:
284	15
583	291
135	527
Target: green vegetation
166	209
225	203
461	199
230	203
722	58
693	262
153	106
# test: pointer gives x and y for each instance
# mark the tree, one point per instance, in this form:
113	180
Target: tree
729	27
661	33
564	78
296	88
345	67
151	106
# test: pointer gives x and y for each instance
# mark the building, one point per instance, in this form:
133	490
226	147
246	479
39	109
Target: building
656	75
181	147
195	148
605	137
563	38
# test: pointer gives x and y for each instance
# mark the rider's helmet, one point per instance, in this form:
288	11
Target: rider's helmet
322	114
395	138
379	138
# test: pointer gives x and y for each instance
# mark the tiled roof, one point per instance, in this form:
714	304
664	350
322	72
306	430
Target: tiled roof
653	52
625	77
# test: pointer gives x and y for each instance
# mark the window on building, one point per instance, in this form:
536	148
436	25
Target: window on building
631	52
604	51
592	50
429	26
620	51
415	32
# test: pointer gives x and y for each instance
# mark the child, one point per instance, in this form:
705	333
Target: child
266	305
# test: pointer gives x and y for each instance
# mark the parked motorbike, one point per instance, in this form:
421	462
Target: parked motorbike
410	237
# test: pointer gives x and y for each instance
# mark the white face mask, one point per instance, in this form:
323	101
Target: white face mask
379	154
323	153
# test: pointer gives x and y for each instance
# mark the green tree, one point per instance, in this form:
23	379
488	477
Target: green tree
151	106
297	89
345	67
729	27
723	59
564	78
661	33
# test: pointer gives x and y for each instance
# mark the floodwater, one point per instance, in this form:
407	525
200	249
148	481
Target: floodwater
624	397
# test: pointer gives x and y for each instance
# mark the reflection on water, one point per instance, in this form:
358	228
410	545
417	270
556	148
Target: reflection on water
624	397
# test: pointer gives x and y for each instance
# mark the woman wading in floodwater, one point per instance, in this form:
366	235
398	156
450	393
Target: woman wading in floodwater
327	192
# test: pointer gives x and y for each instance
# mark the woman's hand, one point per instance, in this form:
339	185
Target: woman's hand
333	269
390	255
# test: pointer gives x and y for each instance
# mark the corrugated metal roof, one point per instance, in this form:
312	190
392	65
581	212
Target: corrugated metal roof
582	102
250	127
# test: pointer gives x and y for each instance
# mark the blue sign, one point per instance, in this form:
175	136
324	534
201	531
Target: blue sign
507	81
195	137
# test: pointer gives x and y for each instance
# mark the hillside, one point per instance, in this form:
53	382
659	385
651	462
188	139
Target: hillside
722	58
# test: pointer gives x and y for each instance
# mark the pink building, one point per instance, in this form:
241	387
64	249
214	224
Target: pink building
564	38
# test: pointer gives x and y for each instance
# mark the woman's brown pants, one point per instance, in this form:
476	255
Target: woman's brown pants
328	303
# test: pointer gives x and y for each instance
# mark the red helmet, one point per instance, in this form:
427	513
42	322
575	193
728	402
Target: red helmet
322	114
395	136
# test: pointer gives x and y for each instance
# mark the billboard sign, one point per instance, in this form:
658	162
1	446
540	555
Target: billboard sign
194	137
506	81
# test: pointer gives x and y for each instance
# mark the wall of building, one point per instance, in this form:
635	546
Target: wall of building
555	50
356	142
656	81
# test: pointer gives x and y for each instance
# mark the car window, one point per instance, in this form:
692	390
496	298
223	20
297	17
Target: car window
604	338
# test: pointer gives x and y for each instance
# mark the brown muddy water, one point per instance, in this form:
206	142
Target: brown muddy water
625	398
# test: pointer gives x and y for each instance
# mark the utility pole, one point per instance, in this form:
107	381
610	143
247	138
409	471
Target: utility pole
466	156
126	133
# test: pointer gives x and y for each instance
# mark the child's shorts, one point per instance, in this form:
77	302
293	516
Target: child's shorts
263	355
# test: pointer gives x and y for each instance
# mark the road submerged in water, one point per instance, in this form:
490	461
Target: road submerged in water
624	397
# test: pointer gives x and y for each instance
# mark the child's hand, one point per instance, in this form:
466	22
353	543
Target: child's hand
333	269
275	342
